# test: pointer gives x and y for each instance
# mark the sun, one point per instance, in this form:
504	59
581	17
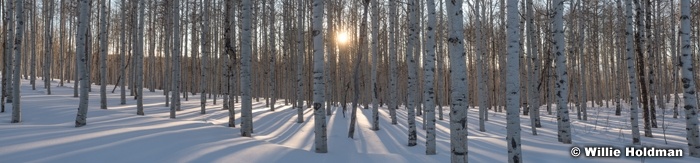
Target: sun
342	37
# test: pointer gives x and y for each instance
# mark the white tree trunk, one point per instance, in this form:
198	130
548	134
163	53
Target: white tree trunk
139	59
318	83
412	84
32	74
459	83
330	51
272	55
177	45
103	54
564	130
632	71
230	49
16	110
480	69
583	88
393	101
152	49
428	73
246	57
48	45
512	80
9	24
534	102
375	53
62	45
675	57
689	92
122	60
300	61
205	54
81	118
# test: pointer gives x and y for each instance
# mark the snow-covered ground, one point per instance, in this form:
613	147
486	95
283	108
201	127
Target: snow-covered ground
117	134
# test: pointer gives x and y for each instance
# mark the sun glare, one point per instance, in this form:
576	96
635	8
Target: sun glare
342	37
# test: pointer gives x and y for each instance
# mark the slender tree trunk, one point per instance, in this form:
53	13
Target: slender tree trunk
16	110
689	92
459	87
177	45
375	53
122	59
32	80
151	49
139	59
393	53
583	87
480	69
618	107
532	36
640	41
9	25
651	59
233	78
631	69
428	88
318	92
330	51
300	61
167	28
676	60
412	84
205	53
62	45
103	54
272	54
246	59
48	44
81	118
230	48
513	78
564	131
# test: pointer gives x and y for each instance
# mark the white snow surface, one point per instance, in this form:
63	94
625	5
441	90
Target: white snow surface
47	134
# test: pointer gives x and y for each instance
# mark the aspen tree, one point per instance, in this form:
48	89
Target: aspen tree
246	59
513	78
16	110
631	69
562	93
48	44
393	53
205	54
318	92
300	61
103	54
688	80
459	83
81	118
375	51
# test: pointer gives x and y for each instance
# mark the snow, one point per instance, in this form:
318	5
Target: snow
47	134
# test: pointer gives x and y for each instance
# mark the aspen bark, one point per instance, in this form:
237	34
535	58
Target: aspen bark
459	87
246	59
81	118
513	79
16	110
631	69
321	145
689	90
562	93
